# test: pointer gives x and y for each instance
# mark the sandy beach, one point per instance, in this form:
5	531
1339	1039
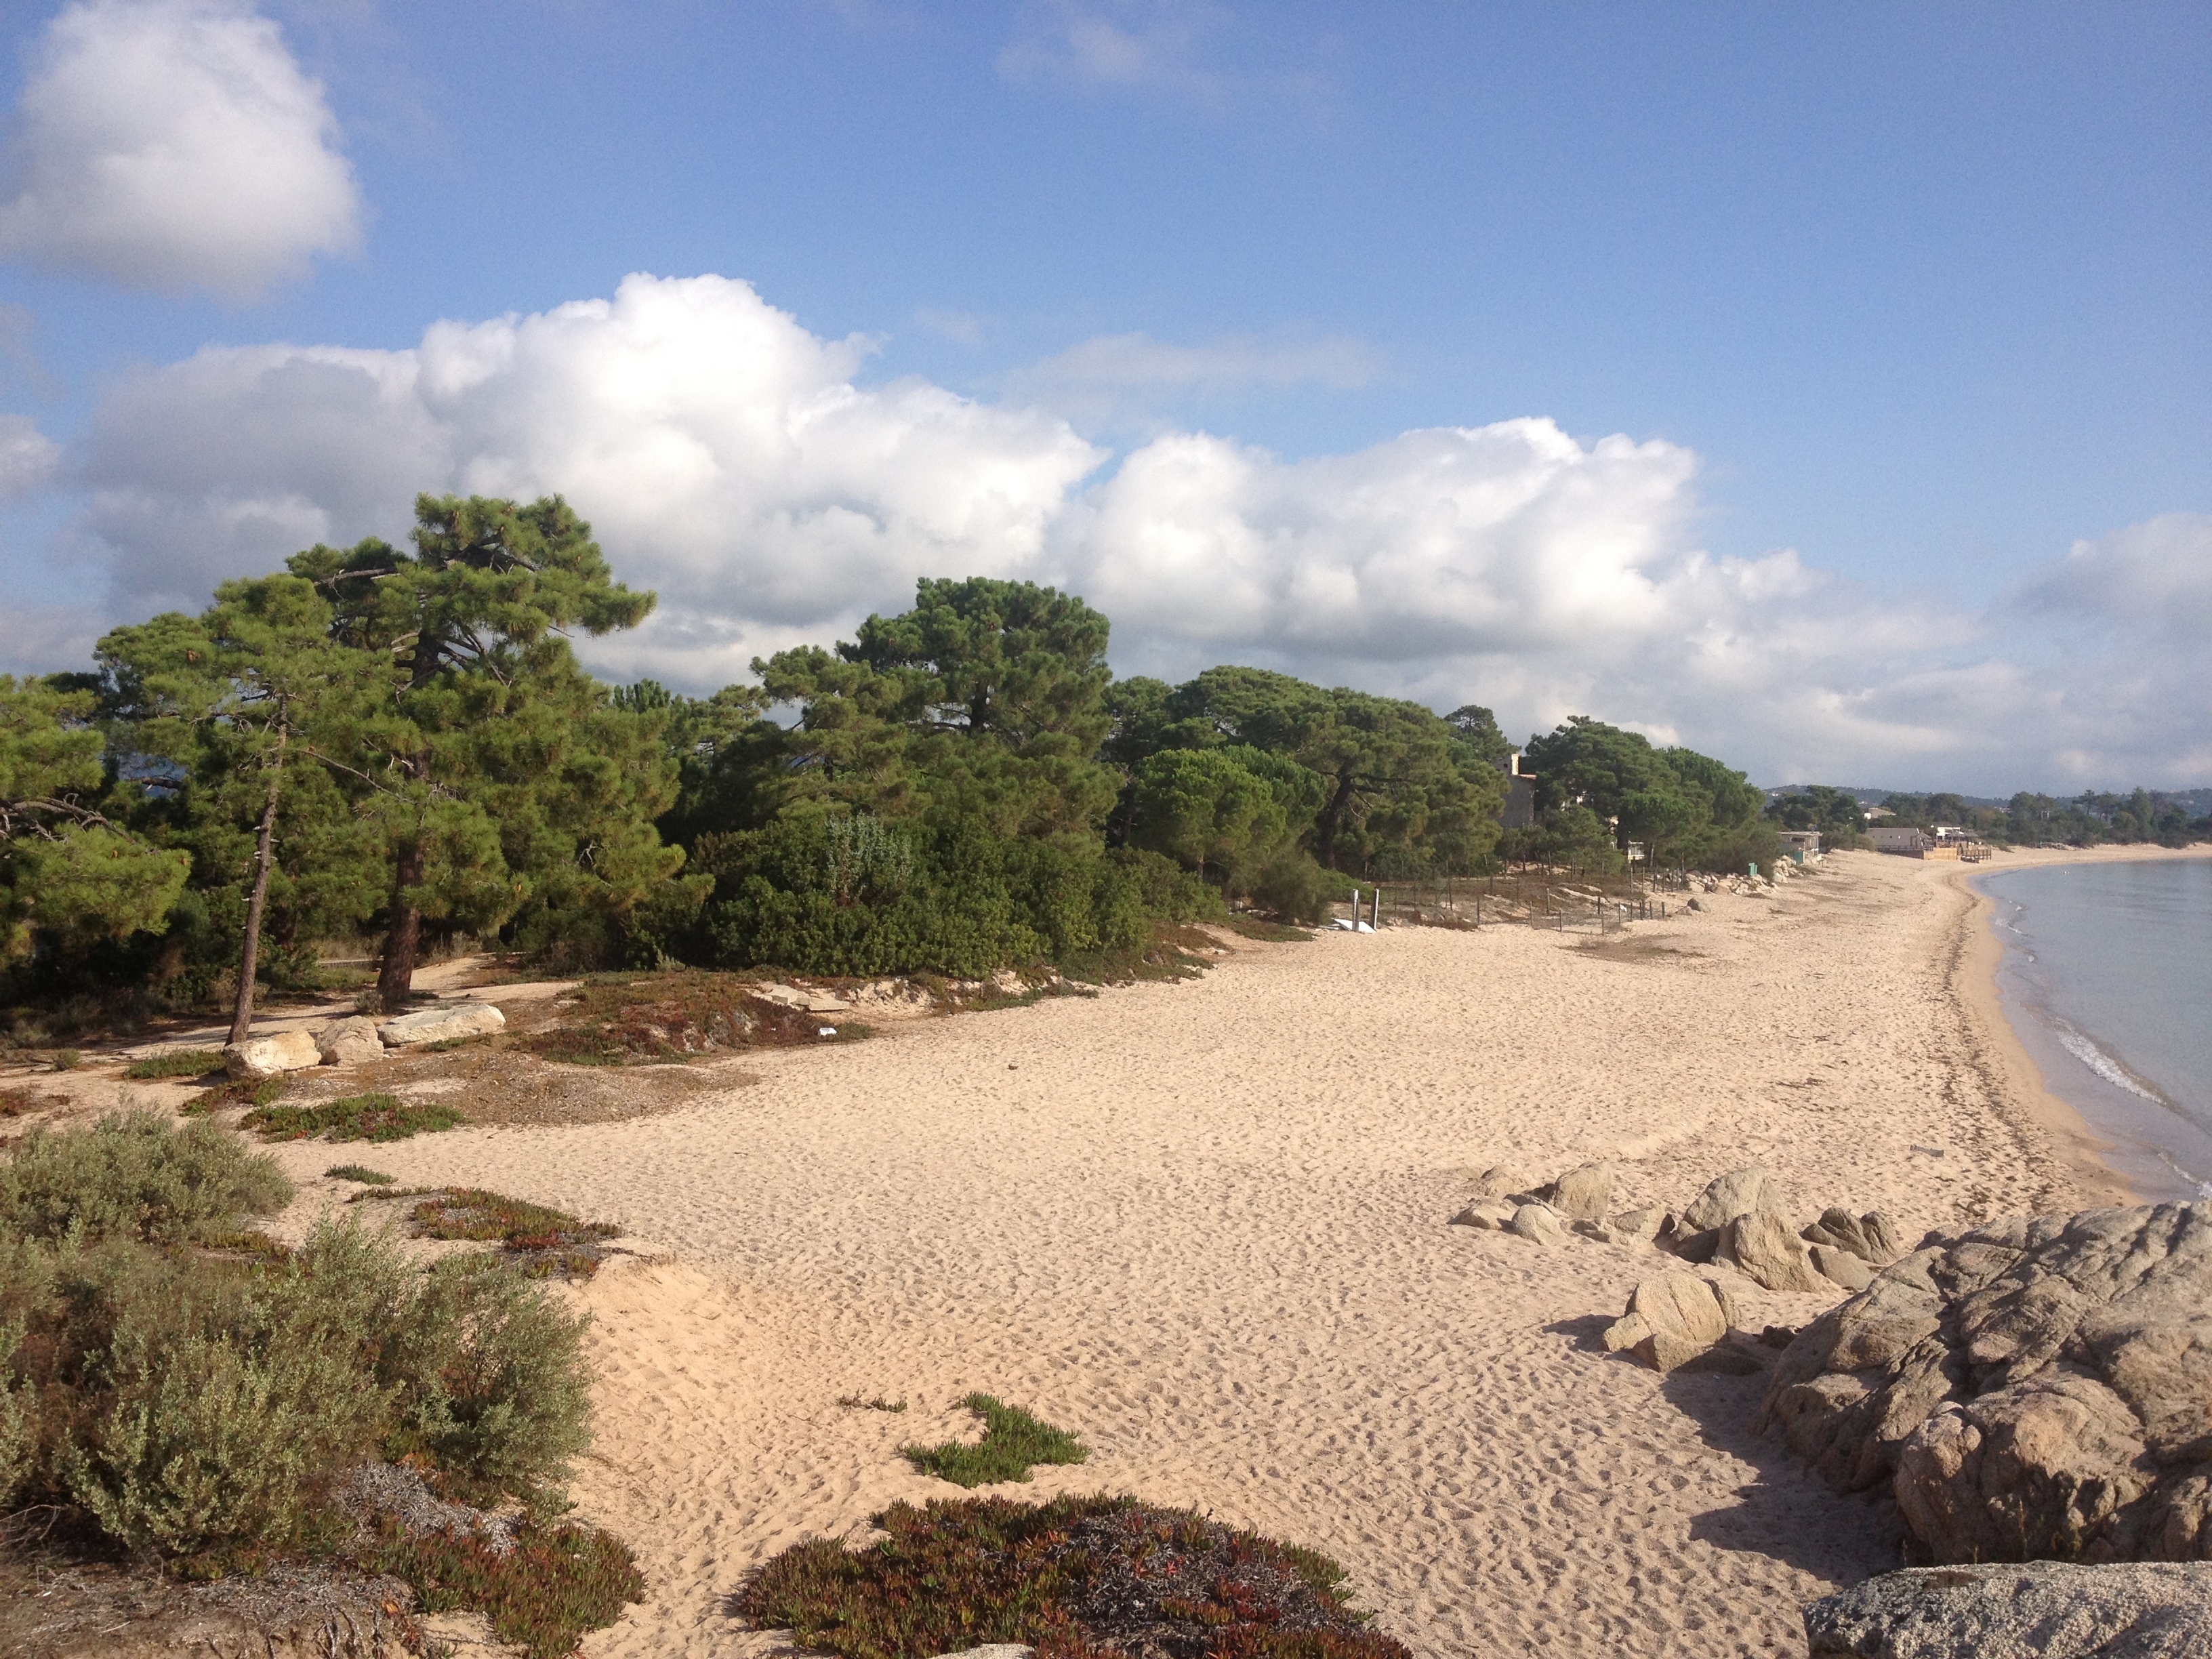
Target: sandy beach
1204	1226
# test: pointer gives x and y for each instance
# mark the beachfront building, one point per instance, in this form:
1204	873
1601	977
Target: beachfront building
1910	840
1802	845
1520	809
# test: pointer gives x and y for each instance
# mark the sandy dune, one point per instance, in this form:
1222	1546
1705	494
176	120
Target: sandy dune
1203	1225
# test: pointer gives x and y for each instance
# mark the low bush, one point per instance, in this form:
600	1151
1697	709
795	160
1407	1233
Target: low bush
684	1015
135	1174
1077	1578
1293	887
1012	1441
197	1392
543	1242
245	1091
366	1177
541	1592
376	1117
175	1062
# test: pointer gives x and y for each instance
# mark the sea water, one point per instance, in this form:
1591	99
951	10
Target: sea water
2108	978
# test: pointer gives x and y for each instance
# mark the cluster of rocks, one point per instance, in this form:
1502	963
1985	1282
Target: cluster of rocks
352	1040
1740	1220
2032	1388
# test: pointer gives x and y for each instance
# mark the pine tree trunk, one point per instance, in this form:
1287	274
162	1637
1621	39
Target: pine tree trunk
396	978
249	964
1332	819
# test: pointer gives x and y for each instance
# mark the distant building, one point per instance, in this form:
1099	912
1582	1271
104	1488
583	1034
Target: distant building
1873	813
1911	841
1801	844
1520	810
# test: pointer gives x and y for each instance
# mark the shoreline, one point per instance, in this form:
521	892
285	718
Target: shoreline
2016	1078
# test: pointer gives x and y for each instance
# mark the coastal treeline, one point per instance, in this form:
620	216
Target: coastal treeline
2091	818
399	745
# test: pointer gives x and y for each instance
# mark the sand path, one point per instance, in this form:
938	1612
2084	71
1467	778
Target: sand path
1203	1225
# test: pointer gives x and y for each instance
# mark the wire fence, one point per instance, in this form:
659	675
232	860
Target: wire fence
1595	902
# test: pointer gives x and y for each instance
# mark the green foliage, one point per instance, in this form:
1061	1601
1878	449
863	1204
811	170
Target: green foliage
198	1392
985	704
1012	1441
1687	809
506	785
1203	807
1292	886
1080	1577
2089	819
69	873
491	1382
1366	783
953	899
375	1117
358	1172
541	1594
133	1175
175	1062
1836	813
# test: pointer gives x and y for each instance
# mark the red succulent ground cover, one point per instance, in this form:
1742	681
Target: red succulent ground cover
1097	1577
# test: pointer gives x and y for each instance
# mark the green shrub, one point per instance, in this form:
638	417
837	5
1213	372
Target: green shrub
1293	887
175	1062
135	1174
1012	1441
492	1382
1082	1578
358	1172
819	897
542	1595
376	1117
201	1407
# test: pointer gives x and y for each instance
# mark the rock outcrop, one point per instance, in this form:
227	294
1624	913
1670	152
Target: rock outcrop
2042	1610
257	1058
2033	1388
444	1025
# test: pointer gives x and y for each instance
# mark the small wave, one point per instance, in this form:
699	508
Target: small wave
2103	1064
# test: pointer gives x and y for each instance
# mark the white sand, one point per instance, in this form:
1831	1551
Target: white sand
1204	1226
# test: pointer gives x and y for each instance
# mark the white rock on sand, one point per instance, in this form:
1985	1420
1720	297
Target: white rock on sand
442	1024
1197	1224
270	1056
350	1041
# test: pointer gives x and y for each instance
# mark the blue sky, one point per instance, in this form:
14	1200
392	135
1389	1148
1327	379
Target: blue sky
1896	319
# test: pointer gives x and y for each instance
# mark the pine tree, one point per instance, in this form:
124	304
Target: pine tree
504	769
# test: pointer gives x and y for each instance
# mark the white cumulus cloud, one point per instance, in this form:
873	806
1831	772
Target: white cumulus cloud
742	467
724	454
174	144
